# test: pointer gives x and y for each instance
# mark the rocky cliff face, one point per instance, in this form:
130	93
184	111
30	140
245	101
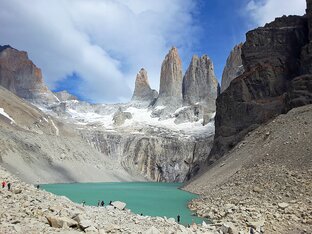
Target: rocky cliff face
200	85
170	90
157	158
273	58
142	91
19	75
233	68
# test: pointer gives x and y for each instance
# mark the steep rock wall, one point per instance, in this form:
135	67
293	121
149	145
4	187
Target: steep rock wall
272	57
166	159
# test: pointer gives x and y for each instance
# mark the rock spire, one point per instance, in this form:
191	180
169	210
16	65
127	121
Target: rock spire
200	85
233	68
170	90
142	91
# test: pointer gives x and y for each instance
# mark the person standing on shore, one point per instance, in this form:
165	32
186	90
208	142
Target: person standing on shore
3	184
9	186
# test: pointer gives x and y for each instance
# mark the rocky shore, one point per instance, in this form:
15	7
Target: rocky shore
26	209
265	182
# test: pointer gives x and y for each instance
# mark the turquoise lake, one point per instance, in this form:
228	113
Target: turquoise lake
153	199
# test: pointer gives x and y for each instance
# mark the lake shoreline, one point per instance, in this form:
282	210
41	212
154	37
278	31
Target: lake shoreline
28	209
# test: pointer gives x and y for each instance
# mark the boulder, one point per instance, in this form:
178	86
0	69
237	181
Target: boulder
119	205
120	117
283	205
91	229
152	230
187	114
85	224
61	222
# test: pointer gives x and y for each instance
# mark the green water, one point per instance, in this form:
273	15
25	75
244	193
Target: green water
153	199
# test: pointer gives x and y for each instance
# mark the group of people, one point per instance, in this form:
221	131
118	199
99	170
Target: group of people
6	184
102	203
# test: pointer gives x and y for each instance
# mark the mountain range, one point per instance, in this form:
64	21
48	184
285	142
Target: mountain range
244	146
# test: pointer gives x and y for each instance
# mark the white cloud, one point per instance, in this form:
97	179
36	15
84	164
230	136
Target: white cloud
105	41
265	11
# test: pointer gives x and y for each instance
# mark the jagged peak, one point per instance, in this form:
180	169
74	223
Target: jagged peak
4	47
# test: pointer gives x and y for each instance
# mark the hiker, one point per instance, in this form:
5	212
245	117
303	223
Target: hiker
102	203
3	184
83	203
178	218
9	186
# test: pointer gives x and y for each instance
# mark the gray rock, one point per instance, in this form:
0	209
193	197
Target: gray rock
84	224
233	68
170	90
200	86
119	205
187	114
152	230
158	157
120	117
283	205
61	222
142	92
91	230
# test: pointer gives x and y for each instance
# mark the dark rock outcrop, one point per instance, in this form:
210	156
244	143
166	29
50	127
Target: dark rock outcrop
233	68
170	90
19	75
142	91
200	86
300	91
275	58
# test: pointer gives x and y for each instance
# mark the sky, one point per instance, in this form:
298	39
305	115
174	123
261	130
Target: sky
94	48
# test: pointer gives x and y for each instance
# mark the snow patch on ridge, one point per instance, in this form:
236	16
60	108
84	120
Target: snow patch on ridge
3	113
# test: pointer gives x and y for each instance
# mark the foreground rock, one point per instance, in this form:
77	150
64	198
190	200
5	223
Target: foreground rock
119	205
36	211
